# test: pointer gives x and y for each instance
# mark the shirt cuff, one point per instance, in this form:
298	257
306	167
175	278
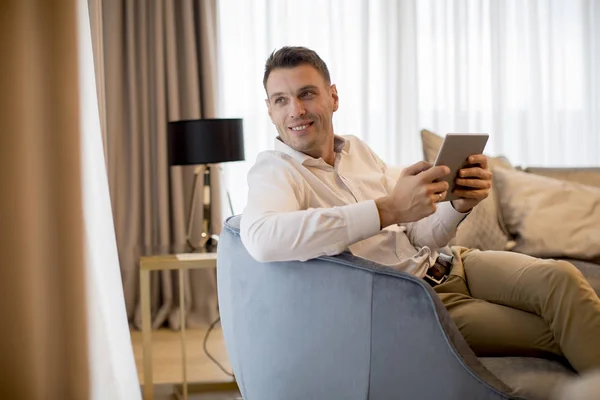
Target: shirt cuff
362	220
449	215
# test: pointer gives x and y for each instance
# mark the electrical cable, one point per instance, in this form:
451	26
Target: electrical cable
214	360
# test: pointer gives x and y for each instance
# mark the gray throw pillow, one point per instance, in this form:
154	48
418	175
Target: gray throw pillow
550	217
483	228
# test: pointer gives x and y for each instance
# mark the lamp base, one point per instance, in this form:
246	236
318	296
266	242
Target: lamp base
208	244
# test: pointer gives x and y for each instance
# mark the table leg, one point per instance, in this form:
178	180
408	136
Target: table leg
182	323
146	333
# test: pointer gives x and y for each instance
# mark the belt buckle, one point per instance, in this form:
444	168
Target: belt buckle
433	281
444	261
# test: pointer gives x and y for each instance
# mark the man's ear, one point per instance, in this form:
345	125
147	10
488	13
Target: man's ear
336	99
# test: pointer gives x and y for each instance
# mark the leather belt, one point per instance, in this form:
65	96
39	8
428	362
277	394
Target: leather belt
439	271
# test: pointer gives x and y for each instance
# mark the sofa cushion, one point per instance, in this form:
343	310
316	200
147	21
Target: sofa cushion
482	229
530	378
550	217
585	176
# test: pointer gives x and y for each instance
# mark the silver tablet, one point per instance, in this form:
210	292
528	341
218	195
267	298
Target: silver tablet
455	150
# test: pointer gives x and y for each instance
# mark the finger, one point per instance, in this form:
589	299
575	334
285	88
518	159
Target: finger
437	197
478	159
435	173
475	173
479	194
474	183
437	187
416	168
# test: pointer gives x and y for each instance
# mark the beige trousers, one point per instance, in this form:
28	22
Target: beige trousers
511	304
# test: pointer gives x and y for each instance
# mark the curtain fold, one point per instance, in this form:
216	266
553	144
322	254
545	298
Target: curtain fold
96	29
159	66
42	278
113	373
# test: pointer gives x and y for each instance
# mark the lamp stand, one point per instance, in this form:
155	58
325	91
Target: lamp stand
207	241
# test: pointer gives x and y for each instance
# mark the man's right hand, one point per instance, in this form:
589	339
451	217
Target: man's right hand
415	195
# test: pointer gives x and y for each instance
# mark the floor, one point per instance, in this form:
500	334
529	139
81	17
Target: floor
167	370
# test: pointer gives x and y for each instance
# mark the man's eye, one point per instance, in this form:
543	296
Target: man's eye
279	100
308	93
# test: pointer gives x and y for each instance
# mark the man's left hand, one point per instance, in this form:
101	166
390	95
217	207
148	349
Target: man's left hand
473	184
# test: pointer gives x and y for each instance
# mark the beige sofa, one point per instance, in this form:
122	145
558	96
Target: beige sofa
543	212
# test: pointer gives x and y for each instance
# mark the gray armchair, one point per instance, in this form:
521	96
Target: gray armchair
346	328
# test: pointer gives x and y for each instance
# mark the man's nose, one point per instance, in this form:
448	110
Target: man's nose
297	108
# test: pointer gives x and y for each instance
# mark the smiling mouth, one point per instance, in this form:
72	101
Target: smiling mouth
300	128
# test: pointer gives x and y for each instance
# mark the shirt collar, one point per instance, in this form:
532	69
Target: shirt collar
340	145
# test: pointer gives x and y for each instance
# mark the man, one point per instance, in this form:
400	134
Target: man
321	194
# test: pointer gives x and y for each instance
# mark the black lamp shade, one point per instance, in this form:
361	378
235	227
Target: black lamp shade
205	141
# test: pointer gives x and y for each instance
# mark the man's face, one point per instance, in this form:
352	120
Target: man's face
301	106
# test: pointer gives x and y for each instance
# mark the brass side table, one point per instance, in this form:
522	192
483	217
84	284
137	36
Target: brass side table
180	262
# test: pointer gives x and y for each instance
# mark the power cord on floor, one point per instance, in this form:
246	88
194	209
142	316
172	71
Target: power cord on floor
206	349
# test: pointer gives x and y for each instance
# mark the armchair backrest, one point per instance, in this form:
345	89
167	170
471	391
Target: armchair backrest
340	328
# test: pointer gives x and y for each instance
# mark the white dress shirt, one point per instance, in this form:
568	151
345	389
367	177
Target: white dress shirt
300	208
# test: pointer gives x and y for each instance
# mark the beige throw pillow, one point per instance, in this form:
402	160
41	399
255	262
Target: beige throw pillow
550	217
483	228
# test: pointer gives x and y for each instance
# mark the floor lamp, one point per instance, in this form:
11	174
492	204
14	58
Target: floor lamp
202	142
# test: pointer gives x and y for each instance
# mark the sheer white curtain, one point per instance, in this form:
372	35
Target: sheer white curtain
112	366
527	72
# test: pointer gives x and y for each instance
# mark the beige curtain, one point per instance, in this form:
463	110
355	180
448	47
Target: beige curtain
159	65
43	311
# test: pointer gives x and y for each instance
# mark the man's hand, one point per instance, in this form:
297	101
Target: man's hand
473	184
415	195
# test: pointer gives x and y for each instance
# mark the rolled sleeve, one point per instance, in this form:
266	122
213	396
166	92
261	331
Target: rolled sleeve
436	230
449	216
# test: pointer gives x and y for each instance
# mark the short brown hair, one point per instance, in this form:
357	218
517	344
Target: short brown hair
290	57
